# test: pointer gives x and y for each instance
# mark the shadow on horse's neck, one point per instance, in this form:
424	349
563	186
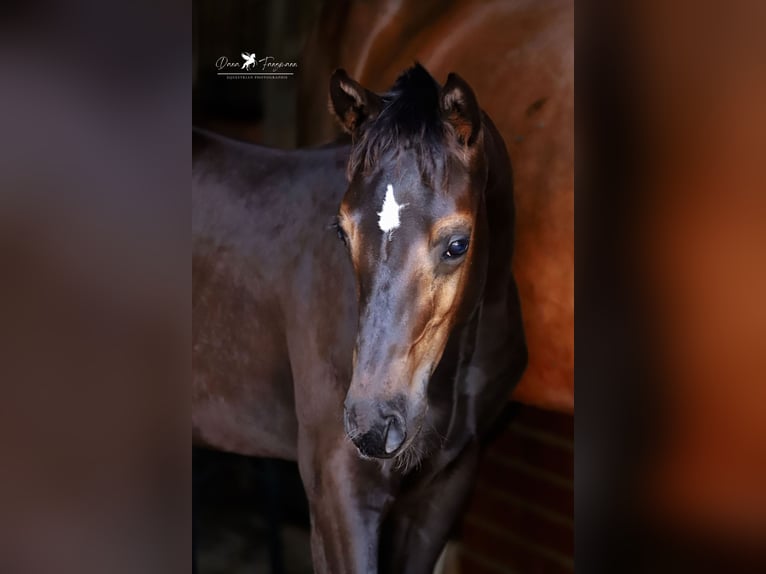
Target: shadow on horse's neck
459	354
447	388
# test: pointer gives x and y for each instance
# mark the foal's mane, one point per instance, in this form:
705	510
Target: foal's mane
410	119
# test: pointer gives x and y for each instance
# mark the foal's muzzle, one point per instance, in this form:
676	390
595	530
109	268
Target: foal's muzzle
377	429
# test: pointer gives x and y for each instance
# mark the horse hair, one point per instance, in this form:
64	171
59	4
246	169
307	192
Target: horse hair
410	119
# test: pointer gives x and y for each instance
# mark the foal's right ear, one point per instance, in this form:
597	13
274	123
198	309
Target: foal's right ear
350	102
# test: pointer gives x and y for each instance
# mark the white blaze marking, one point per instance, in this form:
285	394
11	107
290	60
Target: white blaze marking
389	214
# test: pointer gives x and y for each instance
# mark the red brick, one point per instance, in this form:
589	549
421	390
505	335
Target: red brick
471	565
558	424
547	457
513	554
521	521
554	497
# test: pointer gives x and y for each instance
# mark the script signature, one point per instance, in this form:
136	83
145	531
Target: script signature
266	63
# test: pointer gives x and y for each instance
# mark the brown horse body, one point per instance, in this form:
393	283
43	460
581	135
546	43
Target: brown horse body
413	331
518	57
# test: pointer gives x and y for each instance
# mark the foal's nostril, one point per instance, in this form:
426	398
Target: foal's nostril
394	435
348	426
377	431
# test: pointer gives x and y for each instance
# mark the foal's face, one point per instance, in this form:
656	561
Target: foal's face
413	247
413	223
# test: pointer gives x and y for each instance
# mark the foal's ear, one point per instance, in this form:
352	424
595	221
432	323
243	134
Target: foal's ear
350	102
460	109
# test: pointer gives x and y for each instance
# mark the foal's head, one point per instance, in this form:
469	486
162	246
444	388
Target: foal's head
414	224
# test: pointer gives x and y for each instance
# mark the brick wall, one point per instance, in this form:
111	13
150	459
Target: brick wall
520	519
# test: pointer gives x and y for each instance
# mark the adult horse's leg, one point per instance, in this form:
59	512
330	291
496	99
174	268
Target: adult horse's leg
419	525
347	497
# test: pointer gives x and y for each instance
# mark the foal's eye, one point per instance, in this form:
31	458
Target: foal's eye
340	232
456	249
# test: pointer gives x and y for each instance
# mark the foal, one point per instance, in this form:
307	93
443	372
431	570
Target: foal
381	365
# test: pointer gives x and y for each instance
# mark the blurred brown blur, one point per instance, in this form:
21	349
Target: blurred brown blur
94	290
701	244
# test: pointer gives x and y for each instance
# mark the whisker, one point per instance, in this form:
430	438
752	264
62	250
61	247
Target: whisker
442	438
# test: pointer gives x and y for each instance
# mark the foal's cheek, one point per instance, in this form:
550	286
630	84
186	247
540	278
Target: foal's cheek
446	294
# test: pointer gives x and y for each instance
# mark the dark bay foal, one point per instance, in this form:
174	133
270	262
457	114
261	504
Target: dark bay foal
378	361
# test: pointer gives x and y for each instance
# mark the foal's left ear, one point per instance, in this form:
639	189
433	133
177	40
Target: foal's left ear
460	109
351	103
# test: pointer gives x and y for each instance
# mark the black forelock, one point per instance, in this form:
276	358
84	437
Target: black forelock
410	118
411	106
